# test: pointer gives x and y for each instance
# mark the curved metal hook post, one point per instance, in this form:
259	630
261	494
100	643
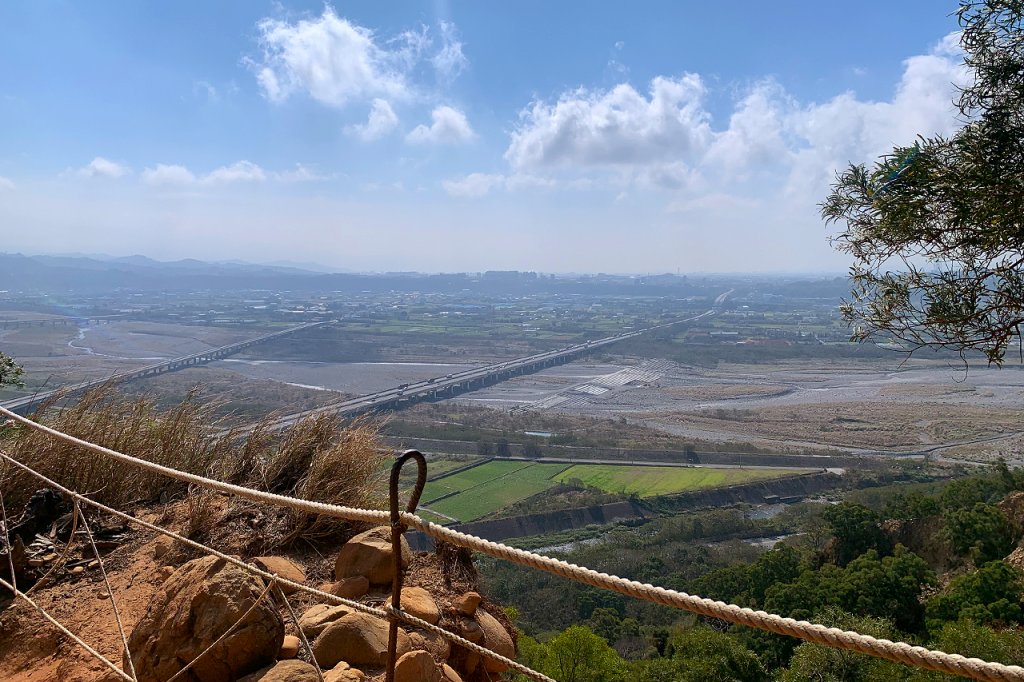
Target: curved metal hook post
397	529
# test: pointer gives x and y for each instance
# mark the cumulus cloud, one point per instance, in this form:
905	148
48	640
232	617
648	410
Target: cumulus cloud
241	171
448	126
336	61
381	121
666	137
616	127
6	183
332	59
168	175
100	167
174	175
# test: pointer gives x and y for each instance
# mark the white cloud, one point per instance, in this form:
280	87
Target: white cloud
449	61
381	121
299	174
473	185
168	175
480	184
449	126
332	59
618	127
205	90
771	143
6	183
171	175
100	167
241	171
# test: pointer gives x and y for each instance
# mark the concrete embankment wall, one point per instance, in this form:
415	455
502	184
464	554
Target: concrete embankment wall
463	447
543	523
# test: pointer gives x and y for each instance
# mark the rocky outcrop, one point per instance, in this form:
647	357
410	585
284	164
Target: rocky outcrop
192	609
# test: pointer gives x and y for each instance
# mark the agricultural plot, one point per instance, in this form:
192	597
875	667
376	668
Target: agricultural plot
651	481
482	490
489	487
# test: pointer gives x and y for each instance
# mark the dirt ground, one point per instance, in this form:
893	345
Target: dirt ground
32	650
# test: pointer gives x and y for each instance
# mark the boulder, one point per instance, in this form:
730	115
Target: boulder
289	648
497	639
439	647
356	638
416	601
352	587
343	672
467	603
369	554
448	674
471	630
286	568
285	671
191	610
316	619
417	666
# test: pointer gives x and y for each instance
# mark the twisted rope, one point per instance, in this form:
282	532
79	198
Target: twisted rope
281	580
899	652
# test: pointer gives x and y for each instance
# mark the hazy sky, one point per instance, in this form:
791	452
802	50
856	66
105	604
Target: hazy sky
553	136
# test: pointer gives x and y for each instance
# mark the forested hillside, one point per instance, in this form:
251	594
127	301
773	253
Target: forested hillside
936	566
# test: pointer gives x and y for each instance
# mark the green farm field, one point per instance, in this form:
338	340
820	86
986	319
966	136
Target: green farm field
482	490
489	487
652	481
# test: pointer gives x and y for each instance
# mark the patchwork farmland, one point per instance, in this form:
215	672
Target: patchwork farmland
482	490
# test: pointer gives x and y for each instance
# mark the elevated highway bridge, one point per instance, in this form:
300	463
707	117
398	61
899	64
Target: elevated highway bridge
28	403
451	385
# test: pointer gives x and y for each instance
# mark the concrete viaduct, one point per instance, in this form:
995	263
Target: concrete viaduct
29	403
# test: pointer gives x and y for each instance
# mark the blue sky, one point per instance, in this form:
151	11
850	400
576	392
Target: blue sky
369	136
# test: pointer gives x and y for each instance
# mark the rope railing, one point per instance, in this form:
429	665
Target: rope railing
387	613
899	652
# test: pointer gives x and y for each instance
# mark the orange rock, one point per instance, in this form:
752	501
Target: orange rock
286	568
467	603
369	554
418	602
417	666
290	647
358	639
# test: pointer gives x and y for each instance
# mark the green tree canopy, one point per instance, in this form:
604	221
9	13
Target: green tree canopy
857	529
983	533
991	594
10	371
936	229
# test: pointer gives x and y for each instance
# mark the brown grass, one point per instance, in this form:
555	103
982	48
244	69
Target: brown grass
316	459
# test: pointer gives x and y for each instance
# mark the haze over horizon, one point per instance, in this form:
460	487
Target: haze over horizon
456	137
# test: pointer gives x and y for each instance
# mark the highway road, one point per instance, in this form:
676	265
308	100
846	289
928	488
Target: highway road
472	379
29	403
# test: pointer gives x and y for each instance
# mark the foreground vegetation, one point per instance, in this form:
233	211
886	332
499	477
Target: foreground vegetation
316	459
934	566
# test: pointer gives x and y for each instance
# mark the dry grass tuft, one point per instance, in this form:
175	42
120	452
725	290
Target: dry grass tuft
316	459
177	438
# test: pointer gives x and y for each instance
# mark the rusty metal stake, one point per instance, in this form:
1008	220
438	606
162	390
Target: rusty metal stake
397	529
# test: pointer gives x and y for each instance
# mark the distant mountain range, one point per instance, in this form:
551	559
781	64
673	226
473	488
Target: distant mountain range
92	274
